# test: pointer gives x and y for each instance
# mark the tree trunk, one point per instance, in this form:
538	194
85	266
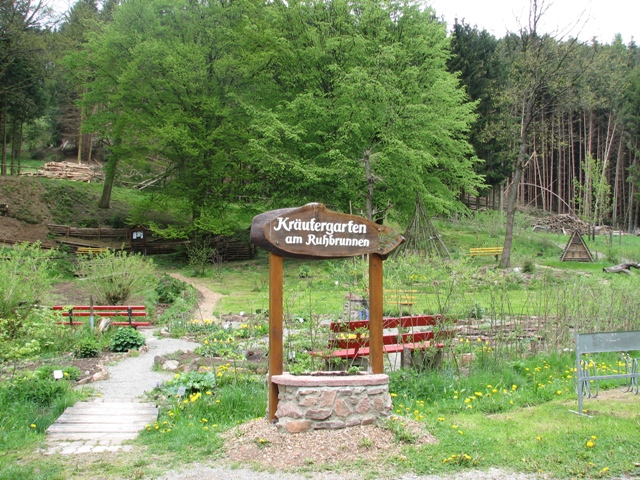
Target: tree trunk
14	146
3	125
512	195
20	147
370	184
110	175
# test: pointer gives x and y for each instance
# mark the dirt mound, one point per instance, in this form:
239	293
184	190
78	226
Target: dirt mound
15	231
33	203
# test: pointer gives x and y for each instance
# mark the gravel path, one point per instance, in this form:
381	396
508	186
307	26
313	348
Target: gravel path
132	376
208	473
207	299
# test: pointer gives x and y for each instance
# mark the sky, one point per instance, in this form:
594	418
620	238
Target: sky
585	19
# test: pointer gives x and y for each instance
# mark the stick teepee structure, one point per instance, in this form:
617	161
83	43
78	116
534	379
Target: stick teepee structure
421	237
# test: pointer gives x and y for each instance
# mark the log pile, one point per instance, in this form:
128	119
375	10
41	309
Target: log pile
69	171
562	223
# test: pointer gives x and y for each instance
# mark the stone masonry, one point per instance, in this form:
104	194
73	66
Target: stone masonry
308	402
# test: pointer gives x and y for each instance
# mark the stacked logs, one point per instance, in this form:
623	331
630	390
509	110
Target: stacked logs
562	223
69	171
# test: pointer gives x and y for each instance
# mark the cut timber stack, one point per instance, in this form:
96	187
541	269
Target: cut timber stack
562	223
69	171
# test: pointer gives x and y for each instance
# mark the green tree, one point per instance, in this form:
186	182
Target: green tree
26	272
23	25
538	74
361	112
476	56
163	80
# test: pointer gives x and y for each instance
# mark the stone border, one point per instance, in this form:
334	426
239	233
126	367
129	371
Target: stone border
331	379
329	400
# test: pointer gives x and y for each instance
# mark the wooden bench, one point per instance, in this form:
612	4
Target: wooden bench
485	251
351	339
128	311
91	250
401	298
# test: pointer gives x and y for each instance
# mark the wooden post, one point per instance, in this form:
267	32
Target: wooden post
275	329
375	314
91	321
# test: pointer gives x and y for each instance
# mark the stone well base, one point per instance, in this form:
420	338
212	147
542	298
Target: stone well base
330	400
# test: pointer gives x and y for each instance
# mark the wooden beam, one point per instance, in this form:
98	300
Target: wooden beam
275	328
375	314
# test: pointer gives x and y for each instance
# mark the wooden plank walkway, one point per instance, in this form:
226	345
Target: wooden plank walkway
99	426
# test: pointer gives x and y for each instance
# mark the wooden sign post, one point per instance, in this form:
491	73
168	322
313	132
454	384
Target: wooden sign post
314	232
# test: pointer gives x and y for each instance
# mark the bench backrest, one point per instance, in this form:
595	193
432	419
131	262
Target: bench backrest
344	336
103	310
607	342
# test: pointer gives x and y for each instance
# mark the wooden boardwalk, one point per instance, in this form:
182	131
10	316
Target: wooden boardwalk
99	426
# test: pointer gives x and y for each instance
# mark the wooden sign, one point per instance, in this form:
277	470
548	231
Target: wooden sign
312	231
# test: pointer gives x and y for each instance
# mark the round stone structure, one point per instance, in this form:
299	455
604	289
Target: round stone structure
331	400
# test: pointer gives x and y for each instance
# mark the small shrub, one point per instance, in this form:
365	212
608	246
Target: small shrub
117	220
304	271
112	277
477	311
169	288
191	382
528	266
126	339
87	348
200	255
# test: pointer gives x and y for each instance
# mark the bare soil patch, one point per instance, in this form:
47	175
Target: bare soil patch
261	442
207	299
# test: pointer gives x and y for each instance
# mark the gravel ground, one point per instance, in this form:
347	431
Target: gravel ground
132	376
202	472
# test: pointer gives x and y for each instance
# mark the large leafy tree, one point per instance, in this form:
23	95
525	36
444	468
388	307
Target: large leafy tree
162	80
341	102
361	110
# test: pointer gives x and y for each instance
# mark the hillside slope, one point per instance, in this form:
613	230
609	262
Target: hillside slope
32	203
